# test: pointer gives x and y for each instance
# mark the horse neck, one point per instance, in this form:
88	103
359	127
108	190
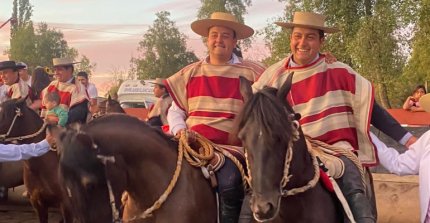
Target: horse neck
301	167
149	168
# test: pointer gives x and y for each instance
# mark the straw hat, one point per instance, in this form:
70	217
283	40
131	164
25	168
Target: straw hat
158	81
202	27
308	20
63	62
425	102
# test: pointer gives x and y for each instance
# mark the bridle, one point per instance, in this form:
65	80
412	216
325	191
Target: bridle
6	138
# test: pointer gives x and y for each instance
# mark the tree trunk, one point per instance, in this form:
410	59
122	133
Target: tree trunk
382	95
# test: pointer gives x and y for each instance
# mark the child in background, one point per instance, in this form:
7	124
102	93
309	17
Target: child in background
56	114
412	102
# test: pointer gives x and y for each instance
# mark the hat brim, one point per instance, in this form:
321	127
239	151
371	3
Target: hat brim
66	64
201	27
12	67
323	28
425	102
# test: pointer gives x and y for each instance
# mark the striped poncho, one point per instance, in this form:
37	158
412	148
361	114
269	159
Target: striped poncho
209	95
334	101
70	94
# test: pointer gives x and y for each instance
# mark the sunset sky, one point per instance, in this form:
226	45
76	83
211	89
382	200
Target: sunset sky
108	32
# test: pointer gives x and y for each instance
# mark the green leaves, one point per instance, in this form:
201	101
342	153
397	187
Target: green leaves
162	51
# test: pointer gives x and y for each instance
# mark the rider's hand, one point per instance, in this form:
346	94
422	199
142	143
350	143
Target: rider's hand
411	141
50	139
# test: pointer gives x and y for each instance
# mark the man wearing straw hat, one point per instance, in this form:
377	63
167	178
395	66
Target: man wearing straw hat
337	107
206	99
73	96
157	115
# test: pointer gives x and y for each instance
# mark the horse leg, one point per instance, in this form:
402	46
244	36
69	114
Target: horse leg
41	211
66	214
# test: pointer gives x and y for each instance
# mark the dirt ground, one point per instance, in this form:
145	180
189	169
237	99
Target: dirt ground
18	210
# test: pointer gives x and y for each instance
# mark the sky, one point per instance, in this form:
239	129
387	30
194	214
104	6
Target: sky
108	32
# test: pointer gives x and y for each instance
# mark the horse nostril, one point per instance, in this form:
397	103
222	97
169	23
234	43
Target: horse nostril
264	208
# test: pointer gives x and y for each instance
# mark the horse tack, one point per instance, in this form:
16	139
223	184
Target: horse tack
18	113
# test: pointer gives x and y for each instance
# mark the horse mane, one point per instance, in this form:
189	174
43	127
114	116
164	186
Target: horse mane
268	112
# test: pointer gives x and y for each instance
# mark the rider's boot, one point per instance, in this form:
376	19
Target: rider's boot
230	204
246	212
230	191
354	191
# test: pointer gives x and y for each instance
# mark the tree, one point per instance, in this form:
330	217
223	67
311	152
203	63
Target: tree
22	47
50	43
235	7
163	50
86	65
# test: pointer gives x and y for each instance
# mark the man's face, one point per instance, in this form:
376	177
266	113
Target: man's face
305	45
221	42
23	73
158	90
83	80
63	74
9	76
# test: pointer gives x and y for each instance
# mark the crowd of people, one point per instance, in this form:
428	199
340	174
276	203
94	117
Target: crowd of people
337	106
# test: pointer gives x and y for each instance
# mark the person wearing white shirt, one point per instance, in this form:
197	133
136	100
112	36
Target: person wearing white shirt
91	90
12	152
412	162
23	73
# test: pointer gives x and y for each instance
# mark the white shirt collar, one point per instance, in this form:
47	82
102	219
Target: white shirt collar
234	59
293	64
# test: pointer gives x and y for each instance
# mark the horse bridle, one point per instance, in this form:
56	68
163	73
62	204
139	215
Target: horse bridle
18	113
286	176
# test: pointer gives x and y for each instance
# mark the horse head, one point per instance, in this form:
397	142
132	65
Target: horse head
113	106
18	120
83	176
267	127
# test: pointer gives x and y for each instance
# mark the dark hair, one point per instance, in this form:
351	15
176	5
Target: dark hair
321	33
83	74
39	81
53	96
419	87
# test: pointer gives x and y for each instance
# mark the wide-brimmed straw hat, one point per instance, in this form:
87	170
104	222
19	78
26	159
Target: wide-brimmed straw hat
10	64
425	102
308	20
63	62
158	81
202	26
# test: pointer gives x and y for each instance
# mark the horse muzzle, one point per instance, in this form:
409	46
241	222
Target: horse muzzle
265	208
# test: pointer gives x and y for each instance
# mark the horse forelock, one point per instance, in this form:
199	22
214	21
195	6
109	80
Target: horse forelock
266	113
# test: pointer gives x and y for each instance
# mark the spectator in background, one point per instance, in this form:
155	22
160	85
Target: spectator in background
412	102
16	87
23	73
40	80
3	91
157	115
91	90
56	114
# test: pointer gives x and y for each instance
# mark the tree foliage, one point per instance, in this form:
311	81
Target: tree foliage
374	38
37	47
162	51
86	65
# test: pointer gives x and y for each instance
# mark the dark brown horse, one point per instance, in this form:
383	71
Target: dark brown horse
138	159
20	124
113	106
267	129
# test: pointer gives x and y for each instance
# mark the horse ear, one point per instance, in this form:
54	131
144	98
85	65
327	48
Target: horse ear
109	98
286	87
245	88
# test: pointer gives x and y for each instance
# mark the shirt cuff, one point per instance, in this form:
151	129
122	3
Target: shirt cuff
405	138
175	129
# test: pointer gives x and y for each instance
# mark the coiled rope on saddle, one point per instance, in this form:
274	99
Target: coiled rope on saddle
198	159
347	153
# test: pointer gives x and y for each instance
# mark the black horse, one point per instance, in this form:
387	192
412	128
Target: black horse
279	162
